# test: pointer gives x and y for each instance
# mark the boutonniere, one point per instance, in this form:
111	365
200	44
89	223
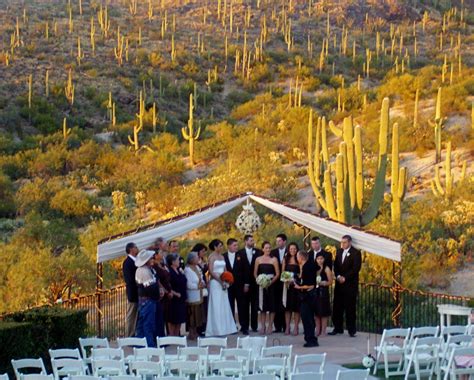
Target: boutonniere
253	251
348	254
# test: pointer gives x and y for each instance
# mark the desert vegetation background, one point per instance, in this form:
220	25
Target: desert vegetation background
116	113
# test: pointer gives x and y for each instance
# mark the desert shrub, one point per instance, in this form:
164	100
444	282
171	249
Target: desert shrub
71	202
7	205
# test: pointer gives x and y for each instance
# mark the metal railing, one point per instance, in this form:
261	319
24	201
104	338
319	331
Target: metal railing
378	307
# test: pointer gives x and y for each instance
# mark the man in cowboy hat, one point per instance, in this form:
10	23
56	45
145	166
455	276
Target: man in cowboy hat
150	313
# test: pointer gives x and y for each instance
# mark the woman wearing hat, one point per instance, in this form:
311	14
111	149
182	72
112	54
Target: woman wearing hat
195	287
150	314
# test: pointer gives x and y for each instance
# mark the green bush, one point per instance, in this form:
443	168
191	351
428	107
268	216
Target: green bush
31	333
17	343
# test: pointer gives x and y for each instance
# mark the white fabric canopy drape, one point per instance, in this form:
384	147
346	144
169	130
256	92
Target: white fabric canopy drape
364	240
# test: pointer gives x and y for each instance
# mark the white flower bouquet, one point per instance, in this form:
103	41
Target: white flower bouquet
264	280
248	221
318	281
286	276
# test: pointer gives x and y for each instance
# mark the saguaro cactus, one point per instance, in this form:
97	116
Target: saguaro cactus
399	178
438	125
347	205
66	130
188	132
138	126
69	89
436	185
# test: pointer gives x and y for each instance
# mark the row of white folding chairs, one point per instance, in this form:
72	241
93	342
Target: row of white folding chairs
111	361
400	341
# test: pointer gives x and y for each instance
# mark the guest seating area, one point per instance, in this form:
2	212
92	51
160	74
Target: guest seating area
425	352
421	352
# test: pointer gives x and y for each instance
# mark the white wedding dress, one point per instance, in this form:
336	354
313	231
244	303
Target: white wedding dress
220	321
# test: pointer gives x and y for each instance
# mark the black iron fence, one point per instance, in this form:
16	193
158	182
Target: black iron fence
378	307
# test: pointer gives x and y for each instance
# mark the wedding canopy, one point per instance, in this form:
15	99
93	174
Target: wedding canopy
114	246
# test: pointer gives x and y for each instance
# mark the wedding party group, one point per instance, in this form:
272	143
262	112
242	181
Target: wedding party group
272	289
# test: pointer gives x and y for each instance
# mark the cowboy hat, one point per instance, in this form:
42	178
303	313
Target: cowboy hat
143	257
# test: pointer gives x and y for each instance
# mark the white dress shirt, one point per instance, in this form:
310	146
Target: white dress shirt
134	258
249	252
281	252
344	254
231	259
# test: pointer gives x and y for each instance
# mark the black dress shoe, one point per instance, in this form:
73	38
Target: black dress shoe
314	344
334	332
254	330
352	335
245	332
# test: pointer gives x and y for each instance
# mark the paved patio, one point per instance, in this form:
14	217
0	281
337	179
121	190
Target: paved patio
340	349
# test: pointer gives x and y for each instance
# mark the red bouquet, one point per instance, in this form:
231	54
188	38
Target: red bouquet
227	277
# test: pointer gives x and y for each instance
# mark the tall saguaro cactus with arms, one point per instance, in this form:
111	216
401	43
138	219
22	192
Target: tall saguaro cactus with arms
347	204
188	132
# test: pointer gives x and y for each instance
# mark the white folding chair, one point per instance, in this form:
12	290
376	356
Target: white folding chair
394	343
233	368
124	377
213	344
254	344
279	352
216	377
453	330
36	376
422	332
309	363
129	343
172	378
146	369
452	369
186	368
84	377
307	376
454	341
238	354
259	376
423	357
65	353
67	367
28	364
87	344
273	365
195	353
4	376
173	341
149	354
108	367
353	374
107	353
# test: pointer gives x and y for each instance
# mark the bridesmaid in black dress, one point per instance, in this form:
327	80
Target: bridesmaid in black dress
290	264
323	307
177	306
267	264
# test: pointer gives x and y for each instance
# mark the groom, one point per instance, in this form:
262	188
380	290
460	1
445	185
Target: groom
238	265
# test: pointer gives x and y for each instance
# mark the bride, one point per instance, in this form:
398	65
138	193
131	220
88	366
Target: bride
220	320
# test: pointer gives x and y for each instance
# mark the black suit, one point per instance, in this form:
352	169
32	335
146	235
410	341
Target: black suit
279	321
252	298
241	272
345	295
129	269
327	257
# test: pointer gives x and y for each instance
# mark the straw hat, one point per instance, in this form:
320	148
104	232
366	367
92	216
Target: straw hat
143	257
